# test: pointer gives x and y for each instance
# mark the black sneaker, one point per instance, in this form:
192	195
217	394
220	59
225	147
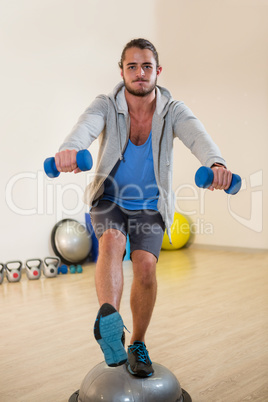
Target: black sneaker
109	333
139	361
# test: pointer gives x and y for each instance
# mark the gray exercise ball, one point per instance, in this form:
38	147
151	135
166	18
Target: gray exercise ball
116	384
71	241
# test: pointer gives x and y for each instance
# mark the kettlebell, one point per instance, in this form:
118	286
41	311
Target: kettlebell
33	268
50	268
1	272
13	271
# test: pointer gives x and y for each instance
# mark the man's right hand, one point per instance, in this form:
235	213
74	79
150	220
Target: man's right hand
66	161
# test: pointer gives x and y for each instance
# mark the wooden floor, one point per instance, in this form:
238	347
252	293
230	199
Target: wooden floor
210	327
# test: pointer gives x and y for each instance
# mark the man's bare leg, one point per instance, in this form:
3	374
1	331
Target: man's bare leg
143	292
109	326
109	269
142	300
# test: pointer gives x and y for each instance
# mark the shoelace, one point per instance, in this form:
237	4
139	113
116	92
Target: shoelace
141	351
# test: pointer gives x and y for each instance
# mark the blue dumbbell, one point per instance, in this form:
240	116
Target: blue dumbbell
63	269
79	269
83	160
72	269
204	178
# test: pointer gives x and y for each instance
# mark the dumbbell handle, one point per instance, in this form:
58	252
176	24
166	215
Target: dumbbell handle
83	160
204	178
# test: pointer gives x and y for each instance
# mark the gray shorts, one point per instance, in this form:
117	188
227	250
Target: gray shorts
144	227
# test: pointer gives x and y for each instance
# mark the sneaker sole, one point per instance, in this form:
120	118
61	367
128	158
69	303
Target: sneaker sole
111	329
138	375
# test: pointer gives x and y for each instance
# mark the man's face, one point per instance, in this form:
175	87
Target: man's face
139	71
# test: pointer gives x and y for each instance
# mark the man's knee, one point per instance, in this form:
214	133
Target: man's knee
112	241
144	267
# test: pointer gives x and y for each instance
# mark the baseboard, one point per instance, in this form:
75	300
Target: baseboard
228	248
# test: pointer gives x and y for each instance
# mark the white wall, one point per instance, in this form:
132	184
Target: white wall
58	55
215	56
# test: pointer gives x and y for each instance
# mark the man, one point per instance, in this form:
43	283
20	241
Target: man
132	191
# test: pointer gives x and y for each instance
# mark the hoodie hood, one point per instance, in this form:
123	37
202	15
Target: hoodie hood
163	99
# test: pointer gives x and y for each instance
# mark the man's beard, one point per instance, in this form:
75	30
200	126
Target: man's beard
140	91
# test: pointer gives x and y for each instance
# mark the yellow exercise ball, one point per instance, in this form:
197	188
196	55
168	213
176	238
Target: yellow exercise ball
180	233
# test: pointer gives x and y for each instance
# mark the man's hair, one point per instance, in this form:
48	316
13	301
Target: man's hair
141	44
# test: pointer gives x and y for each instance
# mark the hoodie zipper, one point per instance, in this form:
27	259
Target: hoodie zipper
122	149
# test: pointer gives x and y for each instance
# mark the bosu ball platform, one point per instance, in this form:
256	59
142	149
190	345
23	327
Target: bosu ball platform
116	384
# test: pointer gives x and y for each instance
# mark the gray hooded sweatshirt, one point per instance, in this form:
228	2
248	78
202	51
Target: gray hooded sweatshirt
107	118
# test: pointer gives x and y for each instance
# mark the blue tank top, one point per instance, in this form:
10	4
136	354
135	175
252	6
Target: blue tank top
132	183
